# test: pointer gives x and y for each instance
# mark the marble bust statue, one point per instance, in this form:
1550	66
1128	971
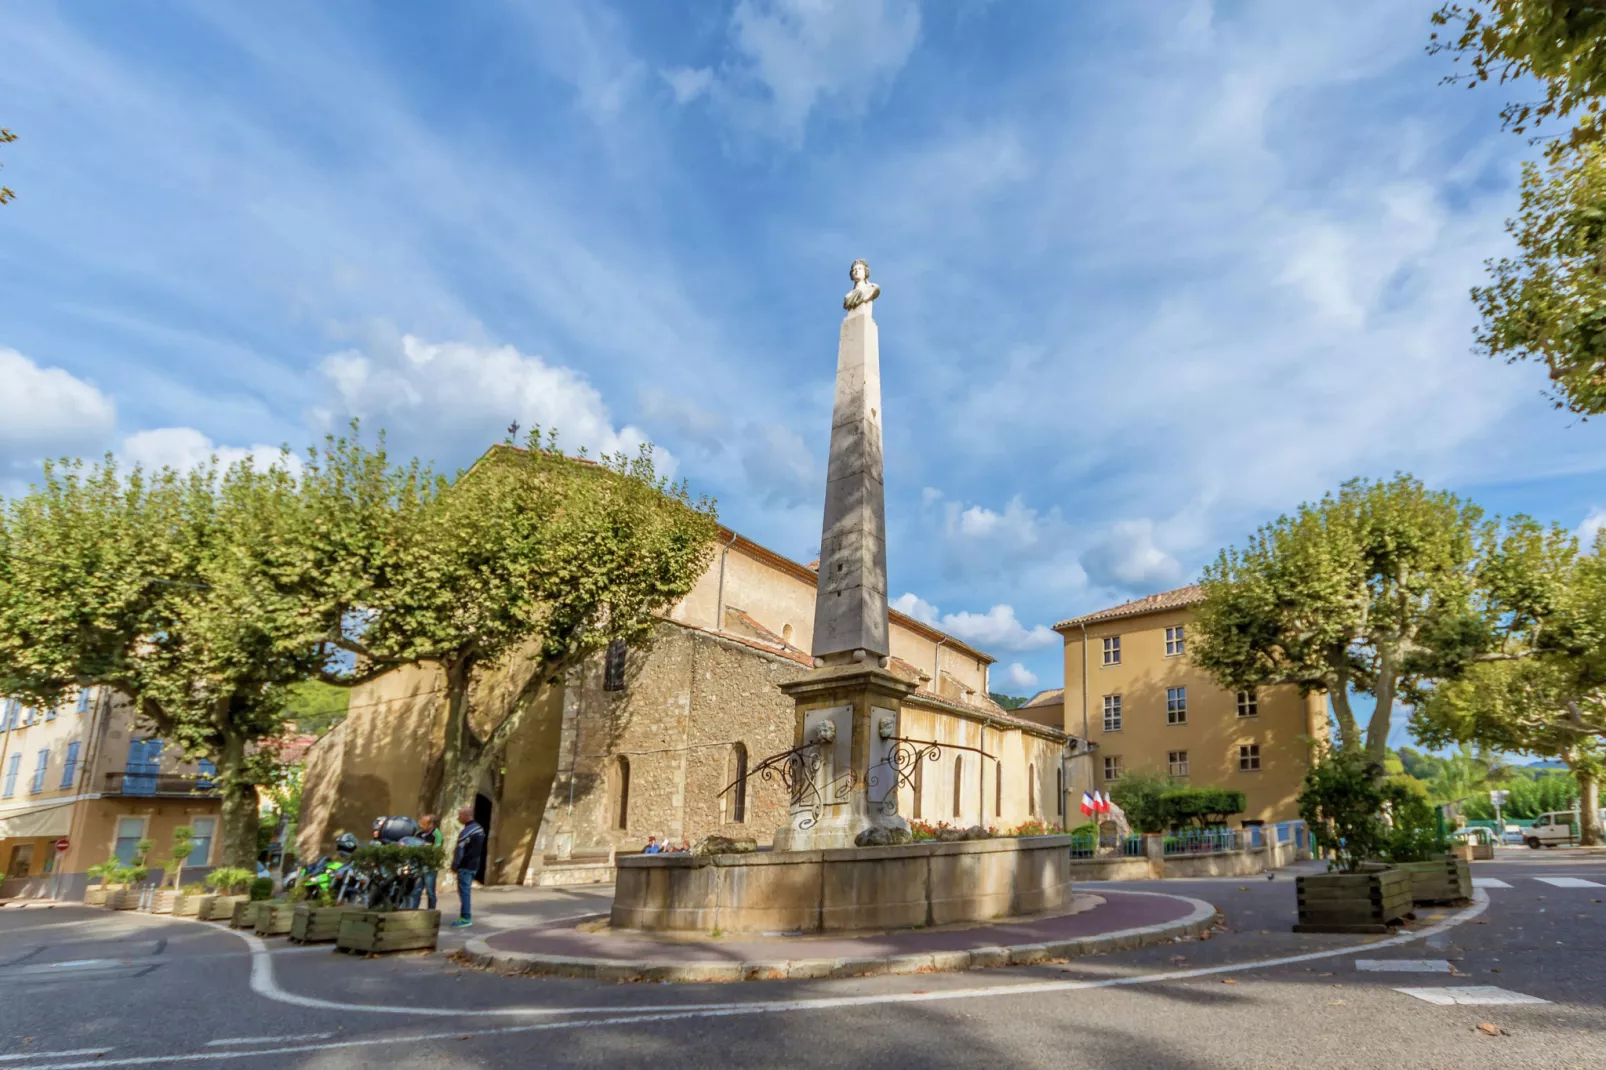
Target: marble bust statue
864	291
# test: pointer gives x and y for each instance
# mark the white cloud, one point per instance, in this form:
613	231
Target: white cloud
912	605
1127	557
183	448
1591	526
794	57
457	395
997	629
46	411
780	469
688	83
1018	544
1020	676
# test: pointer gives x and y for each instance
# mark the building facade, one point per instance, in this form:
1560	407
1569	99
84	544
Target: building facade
84	773
660	741
1142	704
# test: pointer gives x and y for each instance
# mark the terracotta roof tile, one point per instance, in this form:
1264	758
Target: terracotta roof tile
1154	603
1046	698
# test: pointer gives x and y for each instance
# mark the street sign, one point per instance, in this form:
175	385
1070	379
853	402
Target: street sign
1498	797
63	843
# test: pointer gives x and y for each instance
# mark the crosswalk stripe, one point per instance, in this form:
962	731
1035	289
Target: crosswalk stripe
1470	996
1489	882
1403	965
1569	882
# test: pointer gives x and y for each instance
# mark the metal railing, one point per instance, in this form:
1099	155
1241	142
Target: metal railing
126	783
1203	841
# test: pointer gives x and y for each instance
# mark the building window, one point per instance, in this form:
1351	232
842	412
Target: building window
8	715
959	782
739	767
83	700
1112	713
1112	650
206	777
622	793
28	715
1059	792
1248	704
1112	768
144	762
1249	758
130	830
1174	643
205	828
69	767
21	863
1031	790
1176	705
50	713
998	790
1176	763
918	787
41	763
13	764
613	667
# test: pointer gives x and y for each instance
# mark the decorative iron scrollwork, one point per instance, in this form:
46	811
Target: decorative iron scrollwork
798	771
903	760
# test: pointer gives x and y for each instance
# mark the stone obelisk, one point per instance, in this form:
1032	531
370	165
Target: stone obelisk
848	706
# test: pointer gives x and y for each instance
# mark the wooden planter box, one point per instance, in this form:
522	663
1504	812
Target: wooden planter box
122	899
316	925
1473	852
193	906
162	902
273	919
370	931
96	896
245	913
223	907
1353	902
1439	880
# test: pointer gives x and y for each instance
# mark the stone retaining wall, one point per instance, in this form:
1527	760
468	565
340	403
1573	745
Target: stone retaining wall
862	888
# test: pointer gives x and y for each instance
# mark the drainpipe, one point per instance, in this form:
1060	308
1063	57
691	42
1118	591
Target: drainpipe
719	611
1085	736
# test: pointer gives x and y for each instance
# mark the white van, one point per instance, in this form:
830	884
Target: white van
1556	827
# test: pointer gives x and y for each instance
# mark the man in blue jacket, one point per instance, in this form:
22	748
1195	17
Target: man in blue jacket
466	859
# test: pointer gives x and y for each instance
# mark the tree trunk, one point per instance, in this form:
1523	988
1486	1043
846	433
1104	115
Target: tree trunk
239	805
1348	731
1377	729
1589	830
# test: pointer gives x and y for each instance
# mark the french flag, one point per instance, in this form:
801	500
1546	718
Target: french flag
1101	804
1090	805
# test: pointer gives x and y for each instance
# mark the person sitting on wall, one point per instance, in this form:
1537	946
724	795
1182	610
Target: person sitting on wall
653	847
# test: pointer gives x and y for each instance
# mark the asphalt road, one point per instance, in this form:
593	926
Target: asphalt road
85	987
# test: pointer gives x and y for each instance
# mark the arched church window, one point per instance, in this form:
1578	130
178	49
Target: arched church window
738	808
1031	790
959	780
622	791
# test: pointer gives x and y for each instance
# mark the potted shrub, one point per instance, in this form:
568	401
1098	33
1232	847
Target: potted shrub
162	899
316	919
389	927
193	901
95	895
1416	847
229	885
124	895
1342	801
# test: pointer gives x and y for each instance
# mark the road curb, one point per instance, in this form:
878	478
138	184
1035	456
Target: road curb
478	952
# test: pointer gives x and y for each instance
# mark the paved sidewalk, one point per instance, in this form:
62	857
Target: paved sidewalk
1108	921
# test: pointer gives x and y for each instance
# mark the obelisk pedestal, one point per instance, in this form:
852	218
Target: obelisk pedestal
848	707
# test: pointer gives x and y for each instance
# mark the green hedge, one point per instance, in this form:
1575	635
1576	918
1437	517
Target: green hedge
1203	807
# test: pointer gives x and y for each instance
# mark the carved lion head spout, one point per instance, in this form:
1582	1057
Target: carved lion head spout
887	727
825	732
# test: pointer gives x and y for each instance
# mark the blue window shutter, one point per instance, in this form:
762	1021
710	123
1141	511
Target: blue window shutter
69	766
11	776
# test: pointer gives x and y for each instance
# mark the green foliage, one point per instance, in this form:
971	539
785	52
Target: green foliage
1556	43
315	706
1527	797
1205	807
6	138
193	889
1371	589
104	871
230	880
1413	834
261	888
376	858
1138	795
1009	702
183	844
1341	801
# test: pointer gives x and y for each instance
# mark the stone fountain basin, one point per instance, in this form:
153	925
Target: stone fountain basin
850	889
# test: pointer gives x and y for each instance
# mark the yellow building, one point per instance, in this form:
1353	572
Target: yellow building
1132	691
84	773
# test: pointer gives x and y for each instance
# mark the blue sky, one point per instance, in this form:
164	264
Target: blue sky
1152	273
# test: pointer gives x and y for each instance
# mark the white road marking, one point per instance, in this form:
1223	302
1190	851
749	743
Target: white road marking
672	1012
267	1040
1404	965
1569	882
53	1054
1489	882
1470	996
